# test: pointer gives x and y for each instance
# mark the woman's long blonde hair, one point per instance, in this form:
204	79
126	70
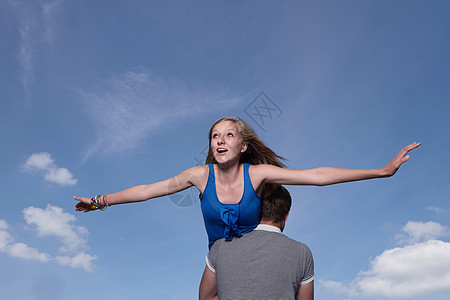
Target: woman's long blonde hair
257	152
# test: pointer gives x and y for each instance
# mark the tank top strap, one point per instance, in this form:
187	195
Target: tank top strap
248	185
247	180
210	188
211	176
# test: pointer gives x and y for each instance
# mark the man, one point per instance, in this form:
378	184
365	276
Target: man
262	264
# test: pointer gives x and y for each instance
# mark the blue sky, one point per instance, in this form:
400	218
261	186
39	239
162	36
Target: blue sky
97	97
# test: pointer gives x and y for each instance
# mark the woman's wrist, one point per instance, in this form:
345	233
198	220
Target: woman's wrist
99	202
384	172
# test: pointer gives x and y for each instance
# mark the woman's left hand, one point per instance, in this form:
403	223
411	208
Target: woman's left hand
84	205
392	167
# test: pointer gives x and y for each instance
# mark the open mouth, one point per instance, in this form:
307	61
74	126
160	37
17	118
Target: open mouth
222	150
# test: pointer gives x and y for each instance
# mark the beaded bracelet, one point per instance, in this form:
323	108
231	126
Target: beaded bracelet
96	204
105	203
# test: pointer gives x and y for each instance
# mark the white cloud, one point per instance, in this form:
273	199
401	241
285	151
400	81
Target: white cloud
4	240
336	287
22	250
413	270
81	260
52	221
39	161
43	162
3	225
419	269
133	104
61	176
5	237
418	232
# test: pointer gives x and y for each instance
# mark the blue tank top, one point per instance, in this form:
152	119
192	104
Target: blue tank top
225	220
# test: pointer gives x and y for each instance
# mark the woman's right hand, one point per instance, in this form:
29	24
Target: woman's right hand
391	168
84	205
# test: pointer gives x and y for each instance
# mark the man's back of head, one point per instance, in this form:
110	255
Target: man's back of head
275	206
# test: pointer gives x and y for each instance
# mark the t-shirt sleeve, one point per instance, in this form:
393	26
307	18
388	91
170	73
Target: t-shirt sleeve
211	258
209	264
308	274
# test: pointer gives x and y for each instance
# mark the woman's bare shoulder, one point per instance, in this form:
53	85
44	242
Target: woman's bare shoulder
198	169
262	168
197	175
265	173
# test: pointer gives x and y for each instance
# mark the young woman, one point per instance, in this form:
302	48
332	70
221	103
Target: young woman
239	166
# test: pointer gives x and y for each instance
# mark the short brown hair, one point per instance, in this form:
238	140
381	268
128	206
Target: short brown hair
275	204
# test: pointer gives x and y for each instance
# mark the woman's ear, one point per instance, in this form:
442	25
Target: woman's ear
244	147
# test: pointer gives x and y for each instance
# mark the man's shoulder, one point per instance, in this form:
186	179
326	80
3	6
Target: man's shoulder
276	239
216	246
294	242
260	238
274	235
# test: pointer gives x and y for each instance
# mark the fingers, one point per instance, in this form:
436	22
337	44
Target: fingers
82	199
408	148
83	205
401	158
82	208
403	155
412	146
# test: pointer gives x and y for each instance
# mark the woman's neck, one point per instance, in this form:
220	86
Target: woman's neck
228	172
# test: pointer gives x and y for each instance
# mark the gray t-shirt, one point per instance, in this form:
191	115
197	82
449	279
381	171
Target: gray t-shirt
261	264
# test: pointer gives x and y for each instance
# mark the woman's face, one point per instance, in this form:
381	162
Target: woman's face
226	142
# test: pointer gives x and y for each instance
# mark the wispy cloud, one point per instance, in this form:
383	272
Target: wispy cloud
438	210
27	21
129	106
35	25
419	269
43	163
51	221
49	11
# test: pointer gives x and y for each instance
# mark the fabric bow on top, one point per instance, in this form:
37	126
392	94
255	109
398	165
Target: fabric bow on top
229	213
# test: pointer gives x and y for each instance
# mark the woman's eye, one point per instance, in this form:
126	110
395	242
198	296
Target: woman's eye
230	134
215	135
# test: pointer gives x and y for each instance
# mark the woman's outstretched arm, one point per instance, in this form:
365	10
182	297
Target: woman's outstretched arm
182	181
326	175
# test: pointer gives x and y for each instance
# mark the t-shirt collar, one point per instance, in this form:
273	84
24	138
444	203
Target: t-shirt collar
268	227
